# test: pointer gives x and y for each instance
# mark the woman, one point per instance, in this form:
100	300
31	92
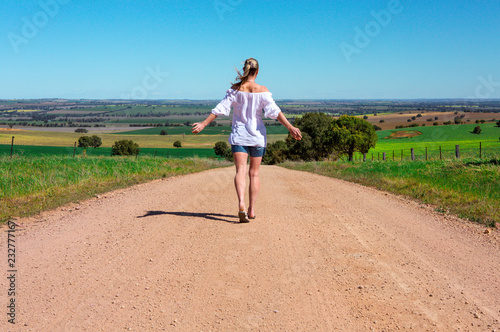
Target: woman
248	135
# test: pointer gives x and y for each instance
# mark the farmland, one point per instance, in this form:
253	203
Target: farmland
51	123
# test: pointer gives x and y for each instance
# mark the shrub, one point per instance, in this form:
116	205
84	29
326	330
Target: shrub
458	120
275	153
498	123
377	128
316	137
419	115
125	148
477	130
435	124
223	150
365	117
177	144
382	121
163	132
81	130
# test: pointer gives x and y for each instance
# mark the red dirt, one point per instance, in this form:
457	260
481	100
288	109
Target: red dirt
322	255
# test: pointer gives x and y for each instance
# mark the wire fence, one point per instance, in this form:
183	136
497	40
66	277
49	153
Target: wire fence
487	149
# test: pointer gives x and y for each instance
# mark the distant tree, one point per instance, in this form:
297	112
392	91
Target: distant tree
351	134
81	130
477	130
213	124
483	121
84	142
177	144
413	117
458	120
125	148
477	121
436	124
382	121
95	141
498	123
11	125
377	128
419	115
163	132
365	117
436	118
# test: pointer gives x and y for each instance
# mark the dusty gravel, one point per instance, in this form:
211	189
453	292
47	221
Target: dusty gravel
322	255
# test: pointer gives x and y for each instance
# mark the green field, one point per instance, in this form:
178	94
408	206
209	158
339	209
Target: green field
29	185
445	137
33	150
54	138
218	130
223	130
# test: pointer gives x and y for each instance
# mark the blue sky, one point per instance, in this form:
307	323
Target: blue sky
393	49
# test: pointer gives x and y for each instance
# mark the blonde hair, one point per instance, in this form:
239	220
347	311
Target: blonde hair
249	69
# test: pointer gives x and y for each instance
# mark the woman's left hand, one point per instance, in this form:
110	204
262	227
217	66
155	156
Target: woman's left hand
197	127
296	133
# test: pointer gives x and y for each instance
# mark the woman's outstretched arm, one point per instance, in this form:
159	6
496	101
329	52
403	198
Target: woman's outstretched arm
199	126
294	131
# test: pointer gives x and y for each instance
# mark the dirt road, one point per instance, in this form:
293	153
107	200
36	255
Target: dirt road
322	255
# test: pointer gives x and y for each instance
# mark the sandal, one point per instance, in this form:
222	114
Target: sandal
243	217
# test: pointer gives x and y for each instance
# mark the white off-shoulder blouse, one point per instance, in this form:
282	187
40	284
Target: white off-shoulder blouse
248	128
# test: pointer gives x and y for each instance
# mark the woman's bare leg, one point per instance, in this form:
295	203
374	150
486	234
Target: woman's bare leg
254	183
240	161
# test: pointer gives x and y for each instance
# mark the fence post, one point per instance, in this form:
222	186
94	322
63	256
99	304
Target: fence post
383	156
74	150
12	147
480	150
457	151
412	154
440	154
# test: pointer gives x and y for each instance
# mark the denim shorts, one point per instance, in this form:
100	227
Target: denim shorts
253	151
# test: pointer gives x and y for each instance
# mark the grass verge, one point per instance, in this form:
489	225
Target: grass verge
29	185
468	188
